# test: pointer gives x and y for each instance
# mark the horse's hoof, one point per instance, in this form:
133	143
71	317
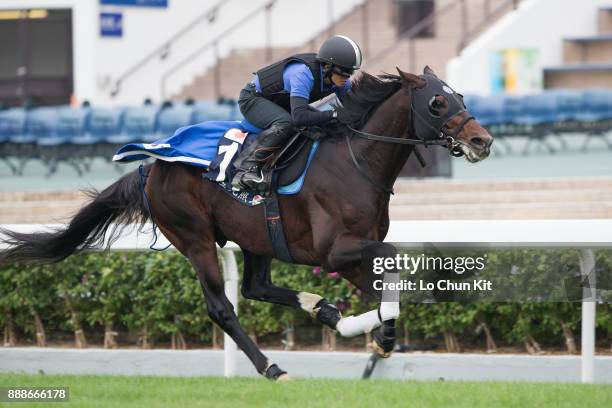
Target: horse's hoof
384	339
378	349
275	373
283	378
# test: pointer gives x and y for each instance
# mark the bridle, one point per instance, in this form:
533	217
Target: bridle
448	140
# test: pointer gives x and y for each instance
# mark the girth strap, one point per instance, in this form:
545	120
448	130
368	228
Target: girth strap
276	233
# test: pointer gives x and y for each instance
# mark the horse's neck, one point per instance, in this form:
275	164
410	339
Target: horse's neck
385	160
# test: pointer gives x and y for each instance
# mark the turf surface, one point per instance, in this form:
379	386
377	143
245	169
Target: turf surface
108	391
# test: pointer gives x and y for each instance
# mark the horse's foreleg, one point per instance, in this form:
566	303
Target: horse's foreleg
257	284
221	311
346	256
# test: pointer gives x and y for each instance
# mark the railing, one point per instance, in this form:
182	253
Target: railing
330	30
162	51
469	35
429	22
214	45
412	33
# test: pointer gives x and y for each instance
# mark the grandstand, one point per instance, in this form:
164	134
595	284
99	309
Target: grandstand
79	135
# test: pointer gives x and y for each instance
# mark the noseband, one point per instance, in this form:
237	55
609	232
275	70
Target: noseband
435	126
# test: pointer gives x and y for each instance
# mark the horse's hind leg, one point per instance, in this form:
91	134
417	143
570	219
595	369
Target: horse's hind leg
221	310
257	284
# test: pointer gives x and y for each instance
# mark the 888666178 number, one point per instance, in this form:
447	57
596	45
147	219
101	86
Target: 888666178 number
23	394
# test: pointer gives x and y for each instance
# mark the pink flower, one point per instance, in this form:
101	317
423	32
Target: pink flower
342	306
316	270
334	275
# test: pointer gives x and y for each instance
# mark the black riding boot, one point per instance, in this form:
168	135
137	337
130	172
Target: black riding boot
250	160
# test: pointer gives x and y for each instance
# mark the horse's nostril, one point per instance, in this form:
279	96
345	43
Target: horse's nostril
477	141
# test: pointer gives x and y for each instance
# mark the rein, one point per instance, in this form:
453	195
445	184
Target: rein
447	140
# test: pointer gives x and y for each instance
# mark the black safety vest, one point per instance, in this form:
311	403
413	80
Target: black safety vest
272	84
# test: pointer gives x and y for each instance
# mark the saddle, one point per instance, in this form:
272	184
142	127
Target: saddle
286	166
284	169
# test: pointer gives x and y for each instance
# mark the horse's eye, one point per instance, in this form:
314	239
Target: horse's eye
435	105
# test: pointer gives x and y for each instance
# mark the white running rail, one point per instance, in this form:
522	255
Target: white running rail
575	233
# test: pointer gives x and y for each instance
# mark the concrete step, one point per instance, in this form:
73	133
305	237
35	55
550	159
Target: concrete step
591	50
604	19
590	210
414	199
579	76
379	34
503	197
20	196
443	185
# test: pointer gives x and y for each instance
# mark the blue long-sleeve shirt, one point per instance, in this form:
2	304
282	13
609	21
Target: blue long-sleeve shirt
298	81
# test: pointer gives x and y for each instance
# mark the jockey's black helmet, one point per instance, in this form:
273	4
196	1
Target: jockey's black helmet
342	52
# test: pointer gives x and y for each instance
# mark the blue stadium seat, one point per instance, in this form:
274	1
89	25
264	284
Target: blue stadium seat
513	108
569	104
235	113
172	118
41	126
488	111
538	109
208	110
138	126
12	124
103	123
72	123
596	105
469	100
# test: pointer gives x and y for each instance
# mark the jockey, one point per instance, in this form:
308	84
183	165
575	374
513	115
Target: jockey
278	96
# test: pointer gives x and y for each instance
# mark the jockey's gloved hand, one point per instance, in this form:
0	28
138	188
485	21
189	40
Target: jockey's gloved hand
303	115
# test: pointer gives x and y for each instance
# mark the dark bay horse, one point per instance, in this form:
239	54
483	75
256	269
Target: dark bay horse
342	209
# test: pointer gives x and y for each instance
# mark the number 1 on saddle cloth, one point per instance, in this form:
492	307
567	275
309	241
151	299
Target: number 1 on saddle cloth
230	146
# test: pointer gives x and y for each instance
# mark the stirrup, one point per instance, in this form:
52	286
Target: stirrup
253	184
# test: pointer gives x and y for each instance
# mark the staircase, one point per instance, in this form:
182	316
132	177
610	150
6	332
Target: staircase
452	19
373	25
414	199
587	60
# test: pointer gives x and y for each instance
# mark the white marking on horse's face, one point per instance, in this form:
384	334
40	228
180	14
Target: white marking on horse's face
308	301
470	155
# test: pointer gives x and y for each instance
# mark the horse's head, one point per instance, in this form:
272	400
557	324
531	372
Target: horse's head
439	114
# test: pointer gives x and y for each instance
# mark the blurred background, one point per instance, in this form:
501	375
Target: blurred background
80	78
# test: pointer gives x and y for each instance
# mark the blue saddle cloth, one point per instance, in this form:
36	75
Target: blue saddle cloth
212	146
195	145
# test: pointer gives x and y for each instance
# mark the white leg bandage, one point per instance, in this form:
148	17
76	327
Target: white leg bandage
354	325
366	322
389	310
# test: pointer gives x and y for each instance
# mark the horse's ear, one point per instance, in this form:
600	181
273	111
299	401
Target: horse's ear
411	79
429	71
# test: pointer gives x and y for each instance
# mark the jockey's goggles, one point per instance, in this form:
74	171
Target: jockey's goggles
343	72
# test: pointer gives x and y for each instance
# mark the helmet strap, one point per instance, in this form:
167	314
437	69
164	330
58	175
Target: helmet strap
327	73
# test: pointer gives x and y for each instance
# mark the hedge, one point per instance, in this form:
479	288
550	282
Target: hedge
155	297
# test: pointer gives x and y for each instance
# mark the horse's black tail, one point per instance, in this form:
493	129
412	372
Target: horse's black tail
114	208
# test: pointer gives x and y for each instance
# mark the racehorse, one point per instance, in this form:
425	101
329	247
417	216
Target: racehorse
342	209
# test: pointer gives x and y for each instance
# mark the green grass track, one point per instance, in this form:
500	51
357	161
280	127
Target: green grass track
109	391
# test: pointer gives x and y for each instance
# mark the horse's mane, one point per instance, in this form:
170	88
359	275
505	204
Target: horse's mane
366	93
